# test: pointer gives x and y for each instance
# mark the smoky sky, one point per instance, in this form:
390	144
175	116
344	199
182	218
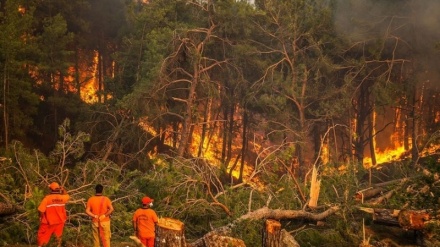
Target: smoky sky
374	18
414	23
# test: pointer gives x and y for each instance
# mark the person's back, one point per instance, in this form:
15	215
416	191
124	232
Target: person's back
144	222
52	212
146	219
100	207
53	206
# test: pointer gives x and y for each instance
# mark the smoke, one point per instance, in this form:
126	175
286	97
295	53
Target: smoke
366	18
415	24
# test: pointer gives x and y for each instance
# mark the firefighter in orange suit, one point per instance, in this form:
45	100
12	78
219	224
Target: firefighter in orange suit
52	210
144	222
100	207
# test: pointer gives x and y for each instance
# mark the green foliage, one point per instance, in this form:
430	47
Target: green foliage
16	48
421	191
340	186
327	238
249	231
282	62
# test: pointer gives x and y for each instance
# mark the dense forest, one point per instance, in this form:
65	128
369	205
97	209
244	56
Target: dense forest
217	109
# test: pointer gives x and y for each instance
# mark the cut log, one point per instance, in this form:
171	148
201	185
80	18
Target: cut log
272	233
215	240
170	233
368	193
406	219
386	216
413	220
377	189
380	199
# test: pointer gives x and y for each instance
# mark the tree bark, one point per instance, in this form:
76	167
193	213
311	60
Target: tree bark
406	219
279	214
272	233
170	233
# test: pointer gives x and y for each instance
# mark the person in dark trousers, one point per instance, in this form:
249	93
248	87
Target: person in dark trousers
100	207
144	222
52	212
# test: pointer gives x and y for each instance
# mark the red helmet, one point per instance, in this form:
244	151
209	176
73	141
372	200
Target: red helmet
147	200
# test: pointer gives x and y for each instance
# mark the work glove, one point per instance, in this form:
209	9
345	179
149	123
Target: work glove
63	191
101	217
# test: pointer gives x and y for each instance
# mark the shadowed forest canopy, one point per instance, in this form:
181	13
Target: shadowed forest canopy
214	108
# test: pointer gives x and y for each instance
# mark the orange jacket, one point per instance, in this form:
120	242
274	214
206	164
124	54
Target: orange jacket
53	209
144	220
99	205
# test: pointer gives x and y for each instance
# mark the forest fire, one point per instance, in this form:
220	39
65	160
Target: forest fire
90	86
398	152
385	156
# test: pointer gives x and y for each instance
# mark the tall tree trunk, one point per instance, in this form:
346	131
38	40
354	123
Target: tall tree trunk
372	137
224	136
175	134
77	73
361	117
99	77
5	105
244	145
230	133
205	126
187	119
415	126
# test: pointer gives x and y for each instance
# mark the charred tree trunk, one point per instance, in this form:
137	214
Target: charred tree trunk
224	135
205	126
361	111
244	145
415	126
230	133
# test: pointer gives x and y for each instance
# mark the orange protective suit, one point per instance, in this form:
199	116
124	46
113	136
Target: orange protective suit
52	217
101	230
144	220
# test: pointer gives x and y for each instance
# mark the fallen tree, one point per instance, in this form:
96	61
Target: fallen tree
267	213
377	189
406	219
282	214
